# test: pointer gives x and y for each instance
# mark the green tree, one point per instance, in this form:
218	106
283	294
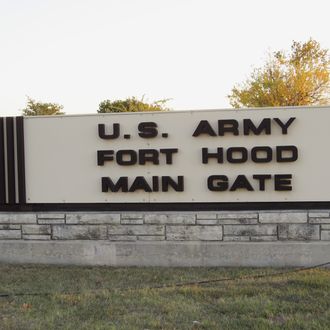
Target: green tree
131	104
301	77
34	108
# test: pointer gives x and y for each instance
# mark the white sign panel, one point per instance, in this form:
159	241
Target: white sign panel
264	155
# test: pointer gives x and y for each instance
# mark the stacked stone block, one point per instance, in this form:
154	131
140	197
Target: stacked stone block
252	226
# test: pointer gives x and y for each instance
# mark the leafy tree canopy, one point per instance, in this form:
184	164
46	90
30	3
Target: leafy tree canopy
131	104
34	108
301	77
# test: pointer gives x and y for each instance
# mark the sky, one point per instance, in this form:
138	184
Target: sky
80	52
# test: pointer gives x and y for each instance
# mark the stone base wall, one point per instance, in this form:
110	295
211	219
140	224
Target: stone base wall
195	226
163	229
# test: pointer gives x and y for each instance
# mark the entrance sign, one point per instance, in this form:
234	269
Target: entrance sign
209	156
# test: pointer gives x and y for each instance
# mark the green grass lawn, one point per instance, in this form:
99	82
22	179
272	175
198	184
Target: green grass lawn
121	298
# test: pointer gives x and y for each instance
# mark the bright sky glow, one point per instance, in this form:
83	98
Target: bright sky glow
81	52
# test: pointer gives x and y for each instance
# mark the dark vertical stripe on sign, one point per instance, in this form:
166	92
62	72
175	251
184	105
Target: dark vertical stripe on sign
20	160
2	165
10	160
